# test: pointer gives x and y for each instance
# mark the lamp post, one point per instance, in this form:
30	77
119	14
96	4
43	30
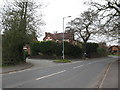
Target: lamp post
63	52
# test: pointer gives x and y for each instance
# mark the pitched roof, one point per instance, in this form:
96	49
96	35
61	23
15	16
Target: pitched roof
115	46
59	36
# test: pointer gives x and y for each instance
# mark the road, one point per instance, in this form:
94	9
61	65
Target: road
79	74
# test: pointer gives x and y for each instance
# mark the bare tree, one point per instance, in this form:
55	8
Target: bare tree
84	26
109	17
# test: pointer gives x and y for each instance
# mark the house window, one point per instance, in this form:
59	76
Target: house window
48	38
67	40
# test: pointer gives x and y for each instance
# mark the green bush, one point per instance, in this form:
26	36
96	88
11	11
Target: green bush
55	49
12	49
91	47
35	47
46	48
72	50
102	51
61	61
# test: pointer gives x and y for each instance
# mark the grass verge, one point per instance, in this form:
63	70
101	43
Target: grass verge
61	61
6	66
114	55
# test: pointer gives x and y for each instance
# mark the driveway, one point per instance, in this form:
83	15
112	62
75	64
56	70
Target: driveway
41	63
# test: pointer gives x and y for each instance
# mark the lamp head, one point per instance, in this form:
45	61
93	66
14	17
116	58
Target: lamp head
69	16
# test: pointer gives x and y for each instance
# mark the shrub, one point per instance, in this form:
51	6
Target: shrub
55	49
91	48
46	48
72	50
35	47
102	51
61	61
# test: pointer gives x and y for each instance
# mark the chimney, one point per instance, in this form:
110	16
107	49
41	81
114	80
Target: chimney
46	33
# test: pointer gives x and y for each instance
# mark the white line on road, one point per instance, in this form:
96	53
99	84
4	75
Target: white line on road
50	75
78	66
11	72
89	63
77	62
40	68
104	77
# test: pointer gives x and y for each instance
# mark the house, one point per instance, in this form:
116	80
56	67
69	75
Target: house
27	46
58	37
114	49
27	49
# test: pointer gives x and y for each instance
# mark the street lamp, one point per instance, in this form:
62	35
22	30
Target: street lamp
64	36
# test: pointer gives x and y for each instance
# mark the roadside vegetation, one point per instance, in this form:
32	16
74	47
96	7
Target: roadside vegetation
51	48
21	25
114	55
62	61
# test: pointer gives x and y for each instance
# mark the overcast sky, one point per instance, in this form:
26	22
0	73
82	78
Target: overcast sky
56	10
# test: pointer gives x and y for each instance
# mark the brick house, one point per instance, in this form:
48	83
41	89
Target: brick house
58	37
27	46
114	49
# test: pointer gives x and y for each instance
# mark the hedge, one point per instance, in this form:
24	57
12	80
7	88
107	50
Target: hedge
52	48
55	49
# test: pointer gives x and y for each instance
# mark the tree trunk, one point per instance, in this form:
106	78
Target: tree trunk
84	50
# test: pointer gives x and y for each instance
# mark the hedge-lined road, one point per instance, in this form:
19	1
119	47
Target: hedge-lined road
80	74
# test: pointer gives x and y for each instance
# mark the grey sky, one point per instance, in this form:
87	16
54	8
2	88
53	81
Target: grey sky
56	10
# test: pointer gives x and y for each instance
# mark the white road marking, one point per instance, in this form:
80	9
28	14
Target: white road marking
24	70
89	63
11	72
77	62
78	66
20	71
40	68
50	75
104	77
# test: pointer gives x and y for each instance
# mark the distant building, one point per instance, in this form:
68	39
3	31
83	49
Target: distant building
27	46
27	49
114	49
58	37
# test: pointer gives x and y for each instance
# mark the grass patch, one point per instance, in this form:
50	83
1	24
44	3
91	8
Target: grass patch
114	55
6	66
61	61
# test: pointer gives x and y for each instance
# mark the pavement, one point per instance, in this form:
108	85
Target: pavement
16	68
30	63
110	77
109	80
